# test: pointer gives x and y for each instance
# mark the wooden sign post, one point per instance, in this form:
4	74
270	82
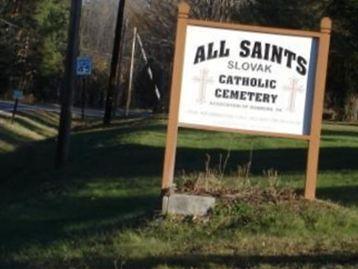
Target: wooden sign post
248	79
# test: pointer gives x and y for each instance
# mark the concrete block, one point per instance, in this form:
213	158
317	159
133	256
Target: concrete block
187	205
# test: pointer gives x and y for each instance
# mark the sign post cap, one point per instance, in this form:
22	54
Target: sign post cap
184	8
326	25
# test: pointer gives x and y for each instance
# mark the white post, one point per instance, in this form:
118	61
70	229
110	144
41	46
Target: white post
149	70
129	95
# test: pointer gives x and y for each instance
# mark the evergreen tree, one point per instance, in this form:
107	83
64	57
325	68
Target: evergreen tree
32	42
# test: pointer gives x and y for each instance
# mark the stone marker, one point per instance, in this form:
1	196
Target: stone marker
188	205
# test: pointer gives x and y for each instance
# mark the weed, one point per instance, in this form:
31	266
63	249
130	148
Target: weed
272	177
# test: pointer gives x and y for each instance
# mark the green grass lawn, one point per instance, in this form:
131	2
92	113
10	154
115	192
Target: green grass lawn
101	211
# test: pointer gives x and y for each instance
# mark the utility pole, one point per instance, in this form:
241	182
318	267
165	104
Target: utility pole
114	65
69	85
119	92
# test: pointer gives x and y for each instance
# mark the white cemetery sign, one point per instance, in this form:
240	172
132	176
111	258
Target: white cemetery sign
248	81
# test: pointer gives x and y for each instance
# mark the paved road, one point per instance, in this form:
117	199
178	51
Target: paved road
7	106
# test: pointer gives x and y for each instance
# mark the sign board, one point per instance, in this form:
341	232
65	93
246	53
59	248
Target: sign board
84	66
18	94
248	79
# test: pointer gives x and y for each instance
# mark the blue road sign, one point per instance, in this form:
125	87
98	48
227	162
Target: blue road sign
17	94
84	66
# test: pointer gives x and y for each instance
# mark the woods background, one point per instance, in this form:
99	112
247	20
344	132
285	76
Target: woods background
33	36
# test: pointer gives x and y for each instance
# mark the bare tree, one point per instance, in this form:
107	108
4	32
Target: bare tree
156	21
218	10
